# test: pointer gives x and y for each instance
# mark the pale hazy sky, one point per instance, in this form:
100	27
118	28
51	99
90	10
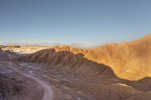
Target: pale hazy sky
73	21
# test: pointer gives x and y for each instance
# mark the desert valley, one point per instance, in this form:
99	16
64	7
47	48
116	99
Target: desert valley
116	71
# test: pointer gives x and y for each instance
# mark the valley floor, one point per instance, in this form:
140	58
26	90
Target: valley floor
34	88
27	81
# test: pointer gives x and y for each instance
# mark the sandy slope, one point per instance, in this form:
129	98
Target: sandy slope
70	85
48	94
129	60
16	86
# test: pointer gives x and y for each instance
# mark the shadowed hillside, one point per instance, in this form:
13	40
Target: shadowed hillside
66	59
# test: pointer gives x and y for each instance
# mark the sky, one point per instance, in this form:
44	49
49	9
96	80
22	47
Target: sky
74	21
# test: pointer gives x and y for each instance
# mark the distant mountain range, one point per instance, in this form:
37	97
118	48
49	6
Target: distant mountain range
80	45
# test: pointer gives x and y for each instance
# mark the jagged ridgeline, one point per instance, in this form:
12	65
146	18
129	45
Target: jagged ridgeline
67	57
130	60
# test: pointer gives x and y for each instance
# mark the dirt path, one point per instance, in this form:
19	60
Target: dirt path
48	93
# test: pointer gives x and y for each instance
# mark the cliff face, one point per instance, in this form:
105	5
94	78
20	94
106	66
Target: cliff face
130	61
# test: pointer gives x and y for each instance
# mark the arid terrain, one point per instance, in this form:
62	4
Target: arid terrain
23	49
118	71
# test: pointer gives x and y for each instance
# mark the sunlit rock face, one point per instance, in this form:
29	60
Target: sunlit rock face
130	61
